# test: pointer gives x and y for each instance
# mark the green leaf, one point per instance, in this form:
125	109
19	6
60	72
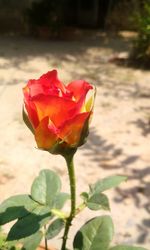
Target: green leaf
107	183
96	234
16	207
33	241
123	247
60	199
54	228
98	201
27	121
45	187
84	196
30	224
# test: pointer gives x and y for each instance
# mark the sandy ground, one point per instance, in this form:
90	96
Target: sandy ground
119	141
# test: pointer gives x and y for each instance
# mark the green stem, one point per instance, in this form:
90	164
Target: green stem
70	165
46	245
80	208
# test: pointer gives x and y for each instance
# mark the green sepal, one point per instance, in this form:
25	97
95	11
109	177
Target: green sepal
27	121
85	132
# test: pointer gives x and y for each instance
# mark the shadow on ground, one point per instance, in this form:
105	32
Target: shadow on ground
107	156
143	125
17	52
105	153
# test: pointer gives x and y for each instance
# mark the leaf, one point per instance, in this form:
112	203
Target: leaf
33	241
84	196
30	224
107	183
27	121
60	199
96	234
98	201
54	228
16	207
123	247
45	187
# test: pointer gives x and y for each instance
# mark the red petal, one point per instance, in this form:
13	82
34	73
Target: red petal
51	78
71	130
45	134
46	84
56	108
35	88
79	89
31	108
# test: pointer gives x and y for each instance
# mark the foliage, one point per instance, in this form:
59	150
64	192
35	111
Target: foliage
119	15
4	245
34	211
97	234
141	48
42	209
45	13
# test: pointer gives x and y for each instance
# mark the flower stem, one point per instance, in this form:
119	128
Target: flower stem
46	245
70	165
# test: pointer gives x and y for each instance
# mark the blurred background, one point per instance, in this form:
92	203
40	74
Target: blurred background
105	42
68	19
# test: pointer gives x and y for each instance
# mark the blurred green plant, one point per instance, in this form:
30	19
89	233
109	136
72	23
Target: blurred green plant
141	46
119	15
47	14
39	214
5	245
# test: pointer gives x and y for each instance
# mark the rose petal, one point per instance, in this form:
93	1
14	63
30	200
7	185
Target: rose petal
51	79
46	84
30	108
46	134
35	88
71	130
79	89
89	102
56	108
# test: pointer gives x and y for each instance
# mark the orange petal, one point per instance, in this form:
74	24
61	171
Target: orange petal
71	131
56	108
45	134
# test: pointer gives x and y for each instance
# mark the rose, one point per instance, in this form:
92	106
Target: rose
58	115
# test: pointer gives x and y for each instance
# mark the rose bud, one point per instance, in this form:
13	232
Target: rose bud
58	115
